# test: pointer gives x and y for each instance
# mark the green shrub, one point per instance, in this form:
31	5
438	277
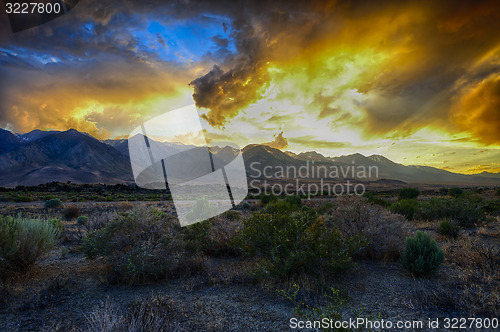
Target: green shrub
267	198
82	220
245	205
23	241
325	208
56	222
448	228
408	193
22	198
335	309
374	199
498	192
232	215
293	241
455	192
492	207
293	200
64	252
70	212
464	211
196	235
422	256
53	203
139	245
406	207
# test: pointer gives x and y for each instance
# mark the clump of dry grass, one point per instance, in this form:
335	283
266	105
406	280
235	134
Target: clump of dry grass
106	318
434	296
491	229
385	231
155	313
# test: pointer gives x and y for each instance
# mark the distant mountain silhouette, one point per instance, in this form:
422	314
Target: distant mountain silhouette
45	156
62	156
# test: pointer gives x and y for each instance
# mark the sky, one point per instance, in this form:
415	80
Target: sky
415	81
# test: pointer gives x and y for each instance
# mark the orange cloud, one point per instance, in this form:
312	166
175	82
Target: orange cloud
478	110
101	99
402	58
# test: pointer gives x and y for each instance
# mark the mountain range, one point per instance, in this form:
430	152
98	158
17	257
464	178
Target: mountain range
44	156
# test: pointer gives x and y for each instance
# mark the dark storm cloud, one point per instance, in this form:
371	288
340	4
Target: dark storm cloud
226	92
437	53
88	56
431	46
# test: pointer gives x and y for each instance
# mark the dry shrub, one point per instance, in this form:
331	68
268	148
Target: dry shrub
220	235
385	231
478	275
71	212
140	245
98	221
125	206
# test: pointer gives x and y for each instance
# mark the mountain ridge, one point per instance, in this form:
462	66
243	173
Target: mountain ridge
45	156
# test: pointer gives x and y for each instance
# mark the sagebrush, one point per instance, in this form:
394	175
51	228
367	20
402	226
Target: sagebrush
23	241
422	256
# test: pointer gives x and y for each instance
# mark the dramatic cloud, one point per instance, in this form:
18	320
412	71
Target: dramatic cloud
279	142
478	110
403	58
56	96
226	93
101	68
